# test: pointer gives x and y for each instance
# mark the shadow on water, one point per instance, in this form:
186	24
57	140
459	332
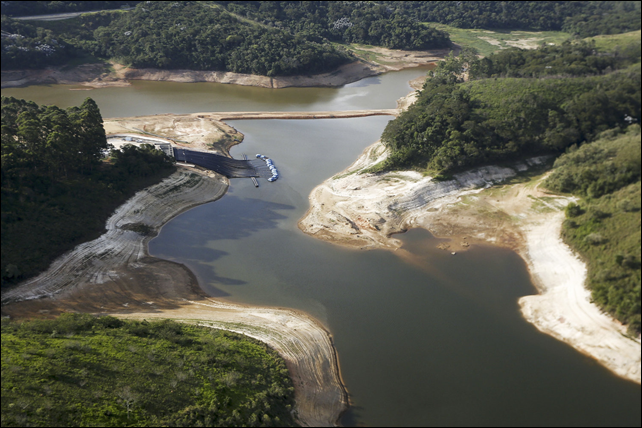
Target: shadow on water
240	218
420	250
375	80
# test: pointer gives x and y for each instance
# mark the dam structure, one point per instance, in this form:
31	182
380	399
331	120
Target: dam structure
229	167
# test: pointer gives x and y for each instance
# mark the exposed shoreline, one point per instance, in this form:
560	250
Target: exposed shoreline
114	274
103	75
364	211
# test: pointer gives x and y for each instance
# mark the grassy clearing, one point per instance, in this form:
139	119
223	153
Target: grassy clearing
365	54
613	41
487	42
359	51
79	370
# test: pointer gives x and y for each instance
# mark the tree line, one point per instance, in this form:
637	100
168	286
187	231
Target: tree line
21	8
456	124
27	46
604	227
57	190
286	38
343	22
581	18
567	59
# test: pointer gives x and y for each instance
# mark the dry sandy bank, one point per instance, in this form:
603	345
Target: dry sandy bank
93	76
100	75
365	210
208	131
114	274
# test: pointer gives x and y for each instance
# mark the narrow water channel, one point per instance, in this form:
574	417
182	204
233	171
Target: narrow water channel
428	339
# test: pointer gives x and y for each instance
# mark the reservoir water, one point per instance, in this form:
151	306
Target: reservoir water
427	339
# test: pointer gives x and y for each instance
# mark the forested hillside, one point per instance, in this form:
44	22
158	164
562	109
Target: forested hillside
582	18
196	36
344	22
79	370
56	189
27	46
567	59
604	227
264	38
456	124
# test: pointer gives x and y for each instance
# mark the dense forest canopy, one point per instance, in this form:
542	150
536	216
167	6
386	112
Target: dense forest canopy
56	189
567	59
456	124
196	36
80	370
583	18
278	37
265	38
27	46
345	22
605	226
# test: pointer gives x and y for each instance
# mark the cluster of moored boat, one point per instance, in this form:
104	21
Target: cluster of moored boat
268	161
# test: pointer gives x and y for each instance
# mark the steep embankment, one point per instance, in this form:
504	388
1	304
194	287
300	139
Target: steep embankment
363	210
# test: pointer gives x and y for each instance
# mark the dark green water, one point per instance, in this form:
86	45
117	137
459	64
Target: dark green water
428	339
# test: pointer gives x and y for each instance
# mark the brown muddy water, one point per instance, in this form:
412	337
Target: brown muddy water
428	339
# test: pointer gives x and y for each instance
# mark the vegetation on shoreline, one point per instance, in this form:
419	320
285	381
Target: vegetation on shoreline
343	22
582	18
270	38
57	191
195	36
551	100
456	124
604	227
81	370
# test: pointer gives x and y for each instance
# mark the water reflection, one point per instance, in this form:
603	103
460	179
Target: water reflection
430	339
145	98
241	218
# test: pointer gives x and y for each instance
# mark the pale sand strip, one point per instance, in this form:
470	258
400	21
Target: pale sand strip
304	344
564	309
114	274
103	75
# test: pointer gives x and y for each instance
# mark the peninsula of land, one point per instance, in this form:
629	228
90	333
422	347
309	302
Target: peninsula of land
483	205
115	275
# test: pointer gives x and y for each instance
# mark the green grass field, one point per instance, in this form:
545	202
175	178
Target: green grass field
612	41
80	370
487	42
